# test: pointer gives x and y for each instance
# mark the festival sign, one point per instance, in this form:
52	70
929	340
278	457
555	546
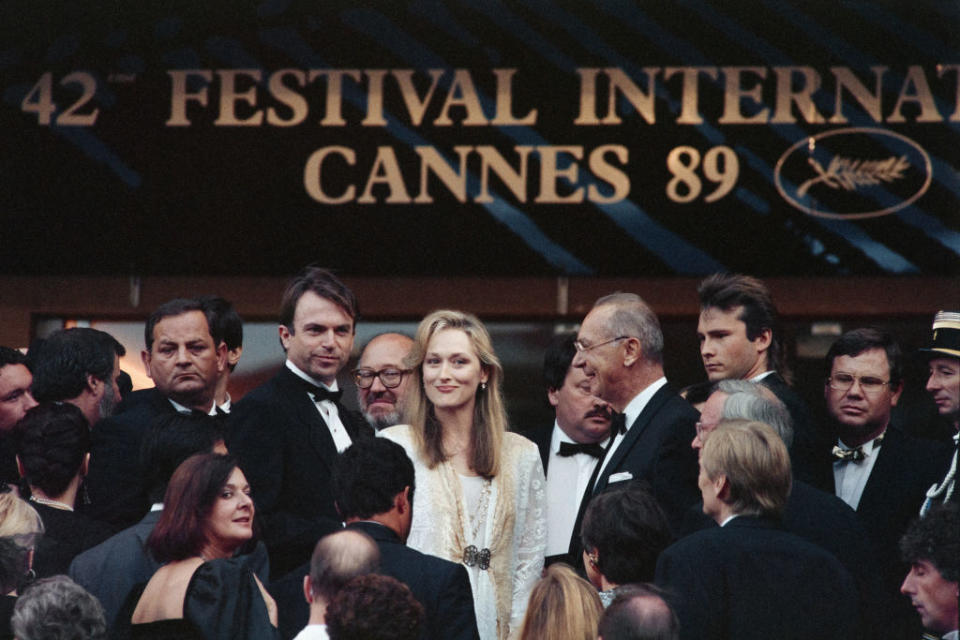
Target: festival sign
484	138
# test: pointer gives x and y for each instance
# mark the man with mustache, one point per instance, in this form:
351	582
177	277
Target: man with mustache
381	379
570	448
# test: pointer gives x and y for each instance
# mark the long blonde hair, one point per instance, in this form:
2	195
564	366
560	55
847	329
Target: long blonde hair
18	520
563	606
489	414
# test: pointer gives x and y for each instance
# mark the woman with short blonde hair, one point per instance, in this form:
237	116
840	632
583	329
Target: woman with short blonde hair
480	489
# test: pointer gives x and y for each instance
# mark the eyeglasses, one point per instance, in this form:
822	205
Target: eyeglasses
582	346
391	378
844	381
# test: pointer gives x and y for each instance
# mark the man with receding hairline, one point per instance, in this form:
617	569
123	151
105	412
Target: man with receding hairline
381	379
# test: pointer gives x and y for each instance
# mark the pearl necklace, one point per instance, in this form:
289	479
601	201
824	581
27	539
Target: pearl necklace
52	503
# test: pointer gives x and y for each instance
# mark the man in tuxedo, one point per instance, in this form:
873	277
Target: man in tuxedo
879	470
374	490
572	446
15	400
382	379
230	327
80	366
620	349
739	340
748	578
287	432
184	357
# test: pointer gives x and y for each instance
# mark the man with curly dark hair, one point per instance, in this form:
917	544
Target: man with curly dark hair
374	607
932	547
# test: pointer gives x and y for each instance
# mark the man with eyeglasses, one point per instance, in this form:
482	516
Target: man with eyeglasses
381	379
620	349
879	470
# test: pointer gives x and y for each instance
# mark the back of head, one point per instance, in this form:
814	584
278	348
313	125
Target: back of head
225	322
340	557
51	442
628	529
639	612
63	361
562	606
490	415
557	359
750	401
368	475
935	538
181	531
177	307
633	317
374	607
754	459
324	284
171	439
58	609
857	341
726	291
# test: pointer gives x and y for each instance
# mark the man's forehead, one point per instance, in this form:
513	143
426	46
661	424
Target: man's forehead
715	403
597	320
10	371
386	350
189	325
874	357
718	314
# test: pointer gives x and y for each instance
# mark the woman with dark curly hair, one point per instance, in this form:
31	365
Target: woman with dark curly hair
206	589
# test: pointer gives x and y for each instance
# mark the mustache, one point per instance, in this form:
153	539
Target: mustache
600	411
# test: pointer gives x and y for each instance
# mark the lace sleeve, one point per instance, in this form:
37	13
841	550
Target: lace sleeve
530	535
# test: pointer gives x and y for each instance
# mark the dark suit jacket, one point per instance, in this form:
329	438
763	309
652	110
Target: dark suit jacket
655	449
808	439
441	586
541	437
751	579
114	483
111	569
287	453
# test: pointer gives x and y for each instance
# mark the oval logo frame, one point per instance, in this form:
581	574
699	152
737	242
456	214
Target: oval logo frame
849	174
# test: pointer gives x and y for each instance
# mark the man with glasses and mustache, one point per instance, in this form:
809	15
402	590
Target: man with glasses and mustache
381	379
571	447
880	471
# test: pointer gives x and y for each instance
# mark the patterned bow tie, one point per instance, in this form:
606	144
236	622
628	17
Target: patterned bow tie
572	449
321	393
848	455
618	424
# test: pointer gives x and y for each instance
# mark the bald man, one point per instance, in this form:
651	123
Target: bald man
381	379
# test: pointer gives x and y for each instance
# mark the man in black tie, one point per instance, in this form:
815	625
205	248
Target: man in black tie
288	432
571	447
620	349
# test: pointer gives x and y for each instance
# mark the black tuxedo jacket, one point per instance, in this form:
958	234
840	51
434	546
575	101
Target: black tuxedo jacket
655	449
114	483
441	586
751	579
808	439
287	453
541	437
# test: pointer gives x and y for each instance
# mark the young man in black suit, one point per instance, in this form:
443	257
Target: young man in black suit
287	432
619	348
748	578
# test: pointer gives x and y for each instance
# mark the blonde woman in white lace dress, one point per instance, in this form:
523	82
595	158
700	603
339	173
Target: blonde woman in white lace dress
480	490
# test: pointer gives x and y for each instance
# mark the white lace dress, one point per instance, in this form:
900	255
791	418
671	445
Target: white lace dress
516	534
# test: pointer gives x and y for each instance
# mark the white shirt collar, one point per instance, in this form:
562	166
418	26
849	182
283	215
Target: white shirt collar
760	377
729	518
300	374
182	409
633	409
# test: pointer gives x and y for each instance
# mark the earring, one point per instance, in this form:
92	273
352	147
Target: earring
483	386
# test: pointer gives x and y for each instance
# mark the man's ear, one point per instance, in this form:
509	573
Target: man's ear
632	351
723	488
145	356
553	396
307	591
285	333
85	465
93	384
401	502
221	357
762	342
233	356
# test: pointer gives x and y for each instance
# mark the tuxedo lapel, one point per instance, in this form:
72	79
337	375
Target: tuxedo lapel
630	439
305	413
881	486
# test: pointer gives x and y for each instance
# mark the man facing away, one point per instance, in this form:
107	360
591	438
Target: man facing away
80	366
287	432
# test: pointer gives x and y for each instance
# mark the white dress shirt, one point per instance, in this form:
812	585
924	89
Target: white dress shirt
850	477
567	476
328	410
631	413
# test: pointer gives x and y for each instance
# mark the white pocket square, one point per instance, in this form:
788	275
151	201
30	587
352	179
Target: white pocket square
620	477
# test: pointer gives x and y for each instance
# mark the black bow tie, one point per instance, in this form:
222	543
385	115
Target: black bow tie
618	424
321	393
573	448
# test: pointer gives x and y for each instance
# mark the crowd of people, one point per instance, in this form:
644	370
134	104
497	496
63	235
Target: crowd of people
724	510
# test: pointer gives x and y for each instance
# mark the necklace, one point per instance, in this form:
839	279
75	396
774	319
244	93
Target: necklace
52	503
